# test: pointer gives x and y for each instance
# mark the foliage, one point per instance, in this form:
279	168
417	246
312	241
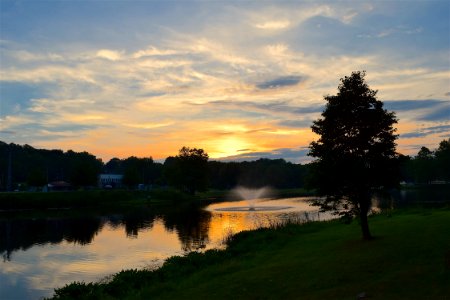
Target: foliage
39	166
188	171
428	166
84	168
69	199
33	168
442	155
135	170
276	173
355	151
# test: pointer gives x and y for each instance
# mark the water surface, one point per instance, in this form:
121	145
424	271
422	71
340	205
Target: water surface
41	254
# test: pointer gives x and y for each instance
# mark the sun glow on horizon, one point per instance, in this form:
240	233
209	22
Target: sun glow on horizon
229	146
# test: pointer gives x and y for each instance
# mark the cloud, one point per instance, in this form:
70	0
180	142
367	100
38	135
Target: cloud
427	131
297	155
413	135
109	54
280	82
296	123
421	110
149	125
47	73
263	66
280	108
154	51
273	25
60	105
397	30
7	132
440	114
406	105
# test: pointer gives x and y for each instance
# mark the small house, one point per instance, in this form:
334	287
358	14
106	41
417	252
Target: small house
110	181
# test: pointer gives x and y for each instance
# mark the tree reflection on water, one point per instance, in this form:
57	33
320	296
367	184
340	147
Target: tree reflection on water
191	226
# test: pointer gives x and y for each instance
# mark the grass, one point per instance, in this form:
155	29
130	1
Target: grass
408	259
98	199
91	199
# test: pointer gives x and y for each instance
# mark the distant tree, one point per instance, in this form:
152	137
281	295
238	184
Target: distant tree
188	170
425	153
355	151
113	166
442	155
424	169
131	174
406	168
84	168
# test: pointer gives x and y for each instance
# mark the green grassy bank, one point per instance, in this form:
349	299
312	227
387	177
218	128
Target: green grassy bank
82	199
12	201
408	259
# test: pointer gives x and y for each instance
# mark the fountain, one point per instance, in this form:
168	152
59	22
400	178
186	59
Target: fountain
251	196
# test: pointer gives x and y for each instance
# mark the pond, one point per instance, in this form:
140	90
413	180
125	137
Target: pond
43	253
39	254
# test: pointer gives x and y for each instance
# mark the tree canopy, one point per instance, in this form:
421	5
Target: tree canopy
188	170
356	150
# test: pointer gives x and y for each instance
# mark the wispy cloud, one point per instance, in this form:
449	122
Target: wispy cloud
407	105
273	25
280	82
294	155
159	80
423	132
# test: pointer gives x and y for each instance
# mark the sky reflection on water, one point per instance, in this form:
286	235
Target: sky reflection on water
34	272
60	251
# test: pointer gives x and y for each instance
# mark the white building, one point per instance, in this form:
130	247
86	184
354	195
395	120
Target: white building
110	180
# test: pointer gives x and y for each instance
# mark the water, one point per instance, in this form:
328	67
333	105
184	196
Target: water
39	254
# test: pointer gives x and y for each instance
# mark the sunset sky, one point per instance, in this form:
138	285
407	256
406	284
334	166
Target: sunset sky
240	79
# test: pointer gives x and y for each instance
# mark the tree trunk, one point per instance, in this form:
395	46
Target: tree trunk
363	210
365	226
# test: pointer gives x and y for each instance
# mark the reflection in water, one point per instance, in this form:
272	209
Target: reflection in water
35	271
23	234
41	254
192	226
232	217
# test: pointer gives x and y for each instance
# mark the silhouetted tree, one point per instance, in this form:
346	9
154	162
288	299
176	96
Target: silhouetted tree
424	166
135	170
442	155
39	166
83	168
188	170
406	168
131	174
113	166
356	150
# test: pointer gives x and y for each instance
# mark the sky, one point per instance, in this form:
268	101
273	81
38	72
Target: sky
240	79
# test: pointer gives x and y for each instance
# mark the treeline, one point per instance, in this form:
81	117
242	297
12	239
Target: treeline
190	171
428	166
24	167
276	173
